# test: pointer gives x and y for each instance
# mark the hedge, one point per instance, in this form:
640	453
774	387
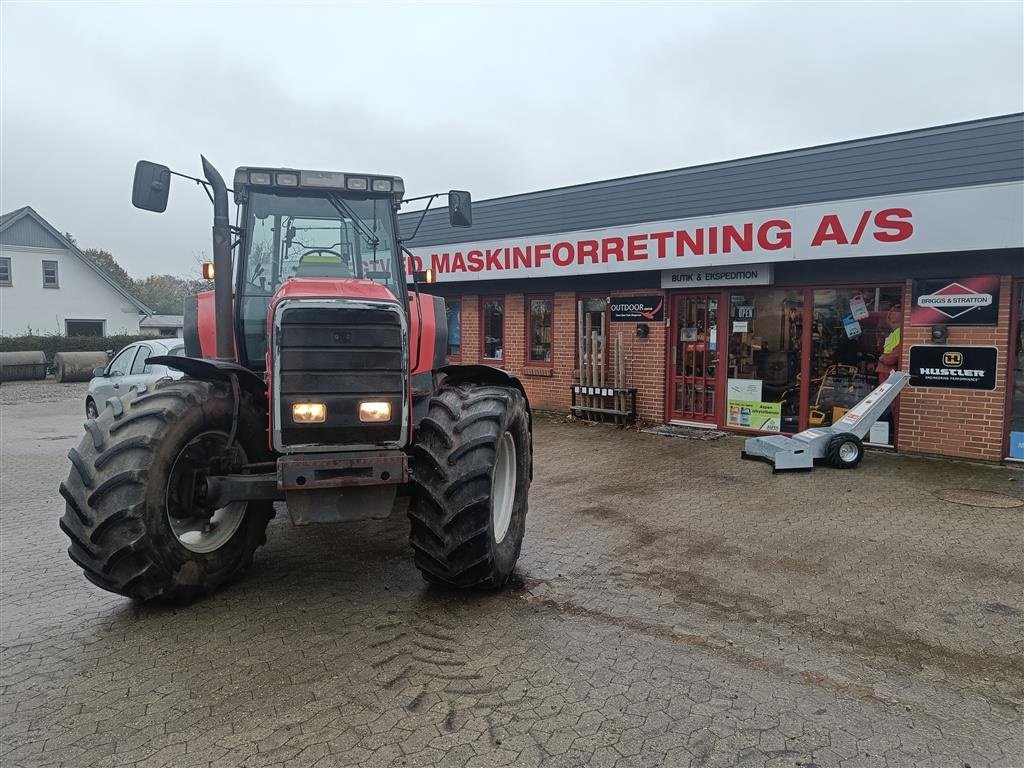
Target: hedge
53	343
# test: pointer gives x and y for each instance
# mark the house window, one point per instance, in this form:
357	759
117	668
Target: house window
494	329
50	274
539	329
5	270
83	327
453	310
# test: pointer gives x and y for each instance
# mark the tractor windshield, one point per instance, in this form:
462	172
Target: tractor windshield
297	234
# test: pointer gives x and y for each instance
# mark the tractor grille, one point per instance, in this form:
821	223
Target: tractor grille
339	356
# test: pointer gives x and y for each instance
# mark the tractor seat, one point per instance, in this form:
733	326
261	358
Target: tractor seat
322	265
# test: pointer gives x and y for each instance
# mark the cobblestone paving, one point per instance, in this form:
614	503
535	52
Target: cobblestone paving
673	606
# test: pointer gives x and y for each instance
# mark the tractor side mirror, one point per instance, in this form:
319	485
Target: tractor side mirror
151	186
460	208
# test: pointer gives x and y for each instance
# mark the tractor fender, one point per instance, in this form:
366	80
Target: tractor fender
215	370
484	374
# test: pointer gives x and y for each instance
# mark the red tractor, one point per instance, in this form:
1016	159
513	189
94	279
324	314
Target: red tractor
320	380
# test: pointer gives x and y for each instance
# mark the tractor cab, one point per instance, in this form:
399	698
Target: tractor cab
306	225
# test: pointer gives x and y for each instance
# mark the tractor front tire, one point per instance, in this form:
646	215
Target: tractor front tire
127	475
844	451
471	471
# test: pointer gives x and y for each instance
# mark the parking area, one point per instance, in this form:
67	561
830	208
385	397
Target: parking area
673	606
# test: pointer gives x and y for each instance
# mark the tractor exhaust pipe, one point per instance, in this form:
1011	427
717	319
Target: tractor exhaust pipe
223	300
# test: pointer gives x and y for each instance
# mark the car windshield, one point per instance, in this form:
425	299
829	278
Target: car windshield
299	235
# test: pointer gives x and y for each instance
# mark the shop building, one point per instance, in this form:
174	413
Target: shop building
768	293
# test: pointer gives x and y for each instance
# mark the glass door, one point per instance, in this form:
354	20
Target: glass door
694	358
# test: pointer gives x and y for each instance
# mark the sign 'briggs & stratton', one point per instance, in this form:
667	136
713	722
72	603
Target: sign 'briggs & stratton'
964	301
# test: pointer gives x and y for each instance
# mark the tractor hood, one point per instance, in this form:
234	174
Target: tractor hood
331	288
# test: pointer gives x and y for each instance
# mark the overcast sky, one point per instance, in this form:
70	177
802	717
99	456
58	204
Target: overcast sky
497	99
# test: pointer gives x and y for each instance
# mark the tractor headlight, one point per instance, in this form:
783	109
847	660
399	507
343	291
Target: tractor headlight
309	413
372	410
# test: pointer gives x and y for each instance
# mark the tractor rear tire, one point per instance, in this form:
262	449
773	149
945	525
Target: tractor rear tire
471	471
125	475
844	451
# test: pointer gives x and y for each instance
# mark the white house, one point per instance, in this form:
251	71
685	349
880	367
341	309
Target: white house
49	286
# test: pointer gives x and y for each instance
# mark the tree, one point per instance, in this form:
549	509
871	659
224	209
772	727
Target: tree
105	260
161	293
164	293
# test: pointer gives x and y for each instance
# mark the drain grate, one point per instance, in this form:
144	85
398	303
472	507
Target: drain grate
972	498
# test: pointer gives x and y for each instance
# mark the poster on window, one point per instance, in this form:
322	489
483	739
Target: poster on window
956	301
755	414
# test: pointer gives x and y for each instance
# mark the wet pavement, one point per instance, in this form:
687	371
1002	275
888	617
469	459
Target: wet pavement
673	606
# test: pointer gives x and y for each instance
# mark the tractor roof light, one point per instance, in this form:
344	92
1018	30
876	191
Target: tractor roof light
291	178
322	179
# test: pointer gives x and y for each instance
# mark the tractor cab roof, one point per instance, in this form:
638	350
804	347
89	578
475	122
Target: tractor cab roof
338	181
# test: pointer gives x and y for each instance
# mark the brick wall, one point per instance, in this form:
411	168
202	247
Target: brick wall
548	385
956	422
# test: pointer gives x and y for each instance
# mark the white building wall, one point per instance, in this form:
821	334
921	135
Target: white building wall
27	306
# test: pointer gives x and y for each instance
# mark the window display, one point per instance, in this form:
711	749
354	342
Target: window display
1016	442
540	330
765	343
494	329
855	344
453	309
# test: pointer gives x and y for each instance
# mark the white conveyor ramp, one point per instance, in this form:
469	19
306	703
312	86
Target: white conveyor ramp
840	445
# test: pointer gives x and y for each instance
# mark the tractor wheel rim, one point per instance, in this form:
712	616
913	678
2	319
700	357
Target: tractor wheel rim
503	486
203	535
848	452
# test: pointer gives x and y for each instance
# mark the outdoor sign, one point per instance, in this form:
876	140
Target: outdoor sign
981	217
637	309
962	301
718	277
953	367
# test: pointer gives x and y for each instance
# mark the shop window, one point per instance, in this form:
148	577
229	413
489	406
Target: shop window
765	346
539	330
453	310
1016	446
855	344
494	329
592	312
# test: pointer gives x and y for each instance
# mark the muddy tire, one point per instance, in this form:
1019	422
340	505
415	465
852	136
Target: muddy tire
844	451
471	470
125	476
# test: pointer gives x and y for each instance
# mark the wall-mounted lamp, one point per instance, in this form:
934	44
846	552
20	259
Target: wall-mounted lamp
940	333
642	330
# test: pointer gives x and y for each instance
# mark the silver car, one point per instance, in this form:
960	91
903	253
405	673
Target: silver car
128	368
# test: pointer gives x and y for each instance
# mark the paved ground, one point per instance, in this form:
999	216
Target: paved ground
673	606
